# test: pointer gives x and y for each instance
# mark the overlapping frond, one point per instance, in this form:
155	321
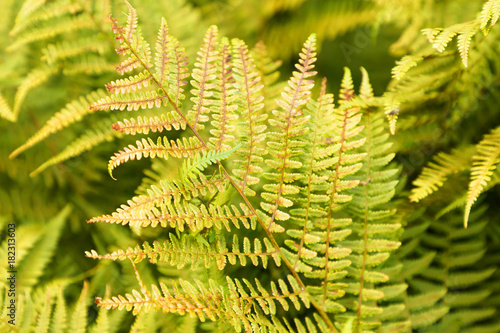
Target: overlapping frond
484	163
35	78
490	14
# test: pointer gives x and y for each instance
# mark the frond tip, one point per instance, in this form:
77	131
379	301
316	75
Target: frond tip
483	166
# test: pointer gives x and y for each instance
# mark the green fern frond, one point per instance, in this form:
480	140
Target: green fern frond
436	173
64	50
192	167
162	148
491	11
143	125
485	162
285	144
178	252
70	114
464	40
48	11
404	65
59	27
60	313
5	111
78	323
33	265
35	78
102	132
252	128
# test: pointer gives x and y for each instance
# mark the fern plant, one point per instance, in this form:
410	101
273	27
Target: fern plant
293	183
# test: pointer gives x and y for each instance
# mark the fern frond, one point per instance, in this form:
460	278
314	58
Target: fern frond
78	323
70	114
33	265
48	11
35	78
178	252
192	167
162	148
159	196
28	7
132	101
436	173
374	232
204	75
5	111
143	125
180	214
285	144
60	313
404	65
224	103
485	162
63	25
490	14
131	43
464	40
252	129
267	69
130	84
91	138
70	49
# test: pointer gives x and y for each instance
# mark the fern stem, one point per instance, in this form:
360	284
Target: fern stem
269	234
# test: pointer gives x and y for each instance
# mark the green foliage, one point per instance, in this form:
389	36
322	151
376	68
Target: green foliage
267	206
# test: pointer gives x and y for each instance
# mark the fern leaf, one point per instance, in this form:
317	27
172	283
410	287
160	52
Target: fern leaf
130	84
34	264
252	129
78	323
35	78
436	173
404	65
5	111
162	148
224	103
44	319
52	10
61	26
28	7
203	75
196	251
71	113
190	168
93	137
132	101
159	196
464	40
131	43
284	144
483	166
143	125
180	214
64	50
491	11
60	313
162	60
